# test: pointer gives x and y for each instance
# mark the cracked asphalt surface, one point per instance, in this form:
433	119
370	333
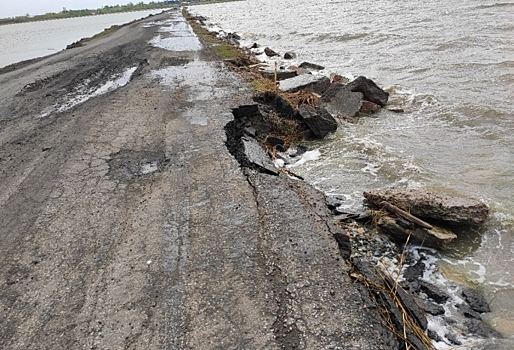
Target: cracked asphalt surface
125	223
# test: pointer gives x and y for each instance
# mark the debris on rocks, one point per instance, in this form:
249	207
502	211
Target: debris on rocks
451	209
436	237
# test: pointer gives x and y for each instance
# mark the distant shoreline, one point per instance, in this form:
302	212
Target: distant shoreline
89	12
154	5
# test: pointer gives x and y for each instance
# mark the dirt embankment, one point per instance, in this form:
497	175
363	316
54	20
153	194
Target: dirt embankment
125	222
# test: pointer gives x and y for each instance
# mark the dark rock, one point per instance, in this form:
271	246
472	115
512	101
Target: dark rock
234	36
272	140
277	103
452	337
312	66
369	107
340	102
404	223
354	215
414	272
244	111
254	46
281	74
434	292
415	311
457	210
430	307
289	55
269	52
299	151
434	336
467	312
79	43
250	131
369	89
299	71
397	319
396	110
233	39
256	155
437	237
480	328
318	120
306	82
343	241
475	300
366	268
333	202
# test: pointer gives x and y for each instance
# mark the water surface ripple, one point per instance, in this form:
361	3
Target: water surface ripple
450	65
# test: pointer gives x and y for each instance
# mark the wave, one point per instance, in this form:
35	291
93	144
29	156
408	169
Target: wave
500	4
330	37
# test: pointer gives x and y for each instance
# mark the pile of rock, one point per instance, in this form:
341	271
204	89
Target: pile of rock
407	210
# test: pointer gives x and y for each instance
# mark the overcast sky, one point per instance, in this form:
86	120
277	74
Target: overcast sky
12	8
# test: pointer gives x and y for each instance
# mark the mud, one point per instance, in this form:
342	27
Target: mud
125	222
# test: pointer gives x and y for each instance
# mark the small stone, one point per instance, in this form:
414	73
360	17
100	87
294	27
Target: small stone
369	107
269	52
289	55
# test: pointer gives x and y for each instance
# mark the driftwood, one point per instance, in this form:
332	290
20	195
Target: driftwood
405	215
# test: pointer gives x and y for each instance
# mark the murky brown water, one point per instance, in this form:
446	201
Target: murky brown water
450	65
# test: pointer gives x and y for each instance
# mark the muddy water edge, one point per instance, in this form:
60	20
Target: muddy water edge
454	135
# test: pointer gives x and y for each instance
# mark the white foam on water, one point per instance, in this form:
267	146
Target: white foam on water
308	156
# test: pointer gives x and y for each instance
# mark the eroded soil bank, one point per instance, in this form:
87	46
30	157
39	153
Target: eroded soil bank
125	222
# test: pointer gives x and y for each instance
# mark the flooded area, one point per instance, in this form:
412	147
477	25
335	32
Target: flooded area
24	41
450	66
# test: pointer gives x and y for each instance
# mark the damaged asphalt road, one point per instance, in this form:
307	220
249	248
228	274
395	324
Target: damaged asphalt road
126	223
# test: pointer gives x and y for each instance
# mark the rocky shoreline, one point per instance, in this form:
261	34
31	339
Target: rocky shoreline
301	105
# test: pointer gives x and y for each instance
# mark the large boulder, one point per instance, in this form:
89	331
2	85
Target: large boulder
305	82
369	89
436	237
453	209
318	120
341	102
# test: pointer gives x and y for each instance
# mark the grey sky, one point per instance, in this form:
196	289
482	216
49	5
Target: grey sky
12	8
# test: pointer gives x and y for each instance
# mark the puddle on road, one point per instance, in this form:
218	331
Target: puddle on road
195	73
128	164
85	92
200	80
